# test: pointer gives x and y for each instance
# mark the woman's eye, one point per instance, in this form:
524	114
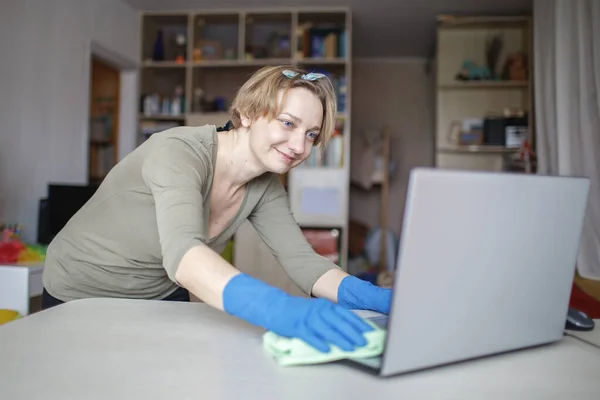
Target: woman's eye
288	124
312	135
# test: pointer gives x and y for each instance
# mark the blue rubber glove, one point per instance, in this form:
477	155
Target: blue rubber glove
319	322
357	294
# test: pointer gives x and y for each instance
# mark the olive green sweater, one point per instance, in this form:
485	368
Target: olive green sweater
128	239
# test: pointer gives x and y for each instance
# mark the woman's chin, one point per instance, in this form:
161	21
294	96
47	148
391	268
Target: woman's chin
279	169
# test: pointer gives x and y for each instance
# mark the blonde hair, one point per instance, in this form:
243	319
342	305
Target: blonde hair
258	97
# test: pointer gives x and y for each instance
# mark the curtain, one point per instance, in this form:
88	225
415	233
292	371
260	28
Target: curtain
567	106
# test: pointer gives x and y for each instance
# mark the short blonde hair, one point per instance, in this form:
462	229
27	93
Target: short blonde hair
258	97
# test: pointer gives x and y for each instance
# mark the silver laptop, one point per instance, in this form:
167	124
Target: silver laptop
485	265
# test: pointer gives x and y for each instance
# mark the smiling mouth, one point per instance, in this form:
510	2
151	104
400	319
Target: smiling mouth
287	157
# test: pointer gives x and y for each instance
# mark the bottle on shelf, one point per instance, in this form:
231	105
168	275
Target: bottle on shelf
158	51
177	104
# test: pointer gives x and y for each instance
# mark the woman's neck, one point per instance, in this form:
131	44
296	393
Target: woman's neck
236	163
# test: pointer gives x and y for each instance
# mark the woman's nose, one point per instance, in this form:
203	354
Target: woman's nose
296	143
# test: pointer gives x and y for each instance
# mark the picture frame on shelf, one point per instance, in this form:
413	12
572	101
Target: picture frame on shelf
206	49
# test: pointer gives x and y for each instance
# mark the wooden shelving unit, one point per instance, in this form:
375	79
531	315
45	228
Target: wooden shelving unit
208	55
104	119
502	89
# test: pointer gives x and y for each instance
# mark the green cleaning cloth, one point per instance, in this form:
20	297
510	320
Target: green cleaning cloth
294	351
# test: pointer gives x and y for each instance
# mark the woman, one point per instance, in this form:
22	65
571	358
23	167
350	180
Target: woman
156	225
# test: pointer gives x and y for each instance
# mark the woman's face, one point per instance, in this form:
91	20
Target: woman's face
287	140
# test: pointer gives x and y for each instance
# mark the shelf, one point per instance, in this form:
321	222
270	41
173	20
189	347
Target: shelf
162	117
103	129
148	127
460	49
318	222
163	64
261	62
477	149
209	118
485	85
482	22
322	61
223	48
331	18
499	50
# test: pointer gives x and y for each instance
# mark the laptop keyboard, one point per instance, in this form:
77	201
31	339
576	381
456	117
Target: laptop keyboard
380	321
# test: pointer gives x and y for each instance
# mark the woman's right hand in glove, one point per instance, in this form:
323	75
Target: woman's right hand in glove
318	322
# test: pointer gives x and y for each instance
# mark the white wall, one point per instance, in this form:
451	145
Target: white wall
404	93
44	88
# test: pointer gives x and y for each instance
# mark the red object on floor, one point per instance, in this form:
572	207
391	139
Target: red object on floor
584	302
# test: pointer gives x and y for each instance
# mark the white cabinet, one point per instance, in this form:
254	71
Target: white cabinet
319	196
18	283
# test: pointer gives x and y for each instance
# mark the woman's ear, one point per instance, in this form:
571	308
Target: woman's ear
246	122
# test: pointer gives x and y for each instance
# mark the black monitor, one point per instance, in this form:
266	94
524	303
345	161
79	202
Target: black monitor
62	203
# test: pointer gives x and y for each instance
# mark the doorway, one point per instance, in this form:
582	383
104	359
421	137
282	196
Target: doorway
105	87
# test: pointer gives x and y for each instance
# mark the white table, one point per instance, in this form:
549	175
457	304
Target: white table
19	283
128	349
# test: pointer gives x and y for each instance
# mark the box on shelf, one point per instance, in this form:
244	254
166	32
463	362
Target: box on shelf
319	196
325	242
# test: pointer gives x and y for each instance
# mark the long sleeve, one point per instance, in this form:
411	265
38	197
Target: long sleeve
275	224
176	174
